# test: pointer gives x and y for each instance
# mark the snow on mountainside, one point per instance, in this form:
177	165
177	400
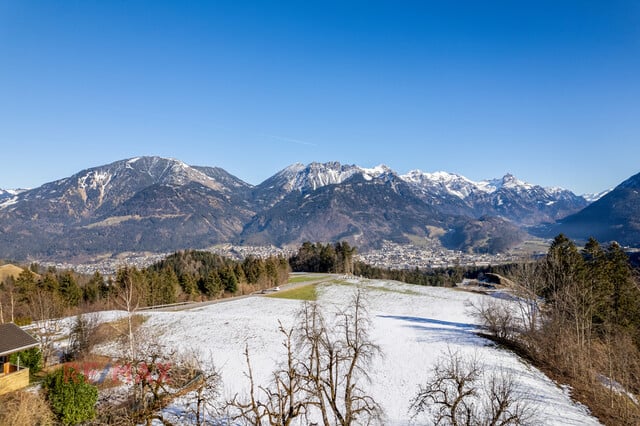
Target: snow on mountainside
110	184
508	197
593	197
300	178
9	196
445	183
303	178
141	204
463	187
160	204
613	217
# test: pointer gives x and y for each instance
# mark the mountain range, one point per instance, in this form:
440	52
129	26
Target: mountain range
158	204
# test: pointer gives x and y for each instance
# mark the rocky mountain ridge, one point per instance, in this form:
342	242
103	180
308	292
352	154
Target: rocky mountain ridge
158	204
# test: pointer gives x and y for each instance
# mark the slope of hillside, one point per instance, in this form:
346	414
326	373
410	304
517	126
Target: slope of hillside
359	210
413	326
140	204
614	217
9	270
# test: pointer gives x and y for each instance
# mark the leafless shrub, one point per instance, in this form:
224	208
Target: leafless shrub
503	404
204	388
497	317
455	395
83	336
25	409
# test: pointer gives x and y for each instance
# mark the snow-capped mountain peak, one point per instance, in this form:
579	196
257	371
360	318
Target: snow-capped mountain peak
444	182
509	181
375	172
298	177
461	186
596	196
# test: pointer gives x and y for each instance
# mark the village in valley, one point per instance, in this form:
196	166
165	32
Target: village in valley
389	255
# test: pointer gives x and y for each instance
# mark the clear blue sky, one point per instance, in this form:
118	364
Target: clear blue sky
546	90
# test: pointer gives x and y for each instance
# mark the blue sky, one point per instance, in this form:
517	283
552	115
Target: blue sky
548	91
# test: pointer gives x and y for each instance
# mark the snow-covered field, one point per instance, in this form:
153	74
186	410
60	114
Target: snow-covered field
413	326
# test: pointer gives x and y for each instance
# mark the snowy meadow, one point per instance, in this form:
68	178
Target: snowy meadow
415	328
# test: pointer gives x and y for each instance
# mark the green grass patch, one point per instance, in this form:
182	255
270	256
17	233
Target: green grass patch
376	288
307	292
392	290
305	278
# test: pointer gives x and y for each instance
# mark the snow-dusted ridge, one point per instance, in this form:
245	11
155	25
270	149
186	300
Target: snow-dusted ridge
300	177
596	196
463	187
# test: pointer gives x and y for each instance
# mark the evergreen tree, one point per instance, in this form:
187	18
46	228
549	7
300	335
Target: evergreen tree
597	281
71	396
169	286
239	273
229	280
49	282
563	266
213	285
625	300
25	284
189	285
69	289
92	290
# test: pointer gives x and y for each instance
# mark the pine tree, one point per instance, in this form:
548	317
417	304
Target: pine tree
69	290
625	299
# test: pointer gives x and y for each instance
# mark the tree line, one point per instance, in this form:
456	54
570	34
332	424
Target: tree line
577	317
183	276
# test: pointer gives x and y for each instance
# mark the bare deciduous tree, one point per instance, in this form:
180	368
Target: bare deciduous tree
529	283
451	391
325	366
503	404
46	309
455	395
338	363
201	403
497	316
129	298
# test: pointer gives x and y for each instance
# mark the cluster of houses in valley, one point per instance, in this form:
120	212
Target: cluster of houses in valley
110	265
408	256
389	255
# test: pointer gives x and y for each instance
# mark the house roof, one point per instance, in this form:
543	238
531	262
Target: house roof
14	339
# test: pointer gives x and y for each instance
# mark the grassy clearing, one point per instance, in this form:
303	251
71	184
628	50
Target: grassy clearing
113	330
391	290
305	278
307	292
9	270
377	288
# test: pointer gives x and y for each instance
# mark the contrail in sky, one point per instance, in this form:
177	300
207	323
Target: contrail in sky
297	141
265	135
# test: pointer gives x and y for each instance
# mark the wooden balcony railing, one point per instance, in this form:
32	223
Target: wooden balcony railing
13	378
